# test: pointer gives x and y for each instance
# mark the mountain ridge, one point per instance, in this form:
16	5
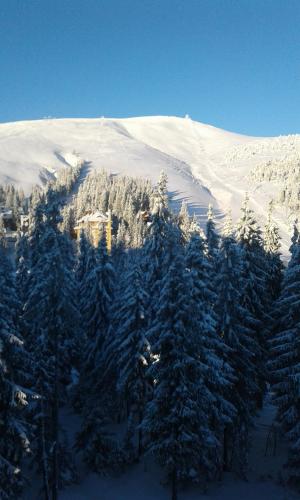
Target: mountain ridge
204	164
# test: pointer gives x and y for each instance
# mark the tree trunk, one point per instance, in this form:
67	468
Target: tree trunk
119	417
140	434
259	400
55	426
226	467
174	484
45	467
141	415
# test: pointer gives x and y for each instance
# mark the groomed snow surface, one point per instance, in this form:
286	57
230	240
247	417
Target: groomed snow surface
204	164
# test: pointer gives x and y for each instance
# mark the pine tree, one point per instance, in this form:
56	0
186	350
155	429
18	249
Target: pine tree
81	266
249	237
161	199
99	286
254	292
235	328
14	384
131	348
68	219
202	271
285	359
35	234
156	255
70	313
23	268
213	351
86	263
295	238
227	229
101	451
51	317
212	236
184	221
177	419
271	245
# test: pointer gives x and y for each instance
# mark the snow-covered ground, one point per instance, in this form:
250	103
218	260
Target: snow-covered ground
204	164
144	481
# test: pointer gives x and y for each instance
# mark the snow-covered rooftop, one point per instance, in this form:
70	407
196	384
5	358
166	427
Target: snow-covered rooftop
95	217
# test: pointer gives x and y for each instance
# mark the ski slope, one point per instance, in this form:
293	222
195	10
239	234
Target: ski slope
204	164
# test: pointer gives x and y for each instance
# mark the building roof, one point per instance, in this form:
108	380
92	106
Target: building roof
95	217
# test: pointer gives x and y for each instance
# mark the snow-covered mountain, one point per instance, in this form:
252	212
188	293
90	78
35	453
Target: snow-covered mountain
203	163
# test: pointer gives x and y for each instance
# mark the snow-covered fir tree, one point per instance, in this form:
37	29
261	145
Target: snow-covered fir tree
177	419
202	271
101	451
23	265
51	316
86	263
161	199
234	326
97	302
15	382
227	227
156	255
184	221
68	219
82	257
295	238
249	237
285	359
131	350
271	243
254	293
212	236
212	352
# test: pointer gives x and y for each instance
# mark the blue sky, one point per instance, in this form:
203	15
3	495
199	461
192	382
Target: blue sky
231	63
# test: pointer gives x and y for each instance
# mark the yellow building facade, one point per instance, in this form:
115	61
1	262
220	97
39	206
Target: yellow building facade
93	225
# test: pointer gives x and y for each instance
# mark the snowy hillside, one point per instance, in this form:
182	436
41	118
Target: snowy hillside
204	164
